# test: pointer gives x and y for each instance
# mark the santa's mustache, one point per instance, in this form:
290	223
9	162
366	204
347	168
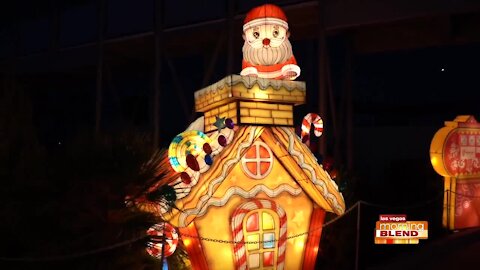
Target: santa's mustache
267	55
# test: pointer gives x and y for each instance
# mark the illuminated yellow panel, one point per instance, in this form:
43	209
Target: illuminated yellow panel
260	113
280	121
263	120
251	105
267	106
252	238
282	114
267	221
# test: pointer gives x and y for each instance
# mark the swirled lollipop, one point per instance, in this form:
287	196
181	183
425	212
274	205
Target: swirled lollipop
184	149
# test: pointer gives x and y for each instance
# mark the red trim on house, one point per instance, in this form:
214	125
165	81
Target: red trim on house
194	247
313	242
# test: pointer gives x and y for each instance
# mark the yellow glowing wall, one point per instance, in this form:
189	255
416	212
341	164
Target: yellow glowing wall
266	113
228	110
216	222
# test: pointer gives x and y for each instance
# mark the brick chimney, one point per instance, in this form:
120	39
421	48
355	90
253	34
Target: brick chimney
250	101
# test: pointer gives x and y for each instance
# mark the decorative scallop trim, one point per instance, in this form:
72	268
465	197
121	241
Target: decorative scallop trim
249	82
319	183
272	193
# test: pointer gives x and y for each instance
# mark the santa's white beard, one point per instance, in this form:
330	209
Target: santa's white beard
267	56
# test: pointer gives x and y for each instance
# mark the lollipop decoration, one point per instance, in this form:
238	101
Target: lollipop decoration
191	153
184	149
309	120
160	234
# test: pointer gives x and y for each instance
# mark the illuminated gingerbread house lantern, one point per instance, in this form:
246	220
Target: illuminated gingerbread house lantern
262	202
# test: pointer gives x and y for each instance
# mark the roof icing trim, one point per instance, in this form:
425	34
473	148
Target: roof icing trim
318	182
247	194
249	82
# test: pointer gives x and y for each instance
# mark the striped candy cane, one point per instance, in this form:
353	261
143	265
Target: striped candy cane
238	236
308	120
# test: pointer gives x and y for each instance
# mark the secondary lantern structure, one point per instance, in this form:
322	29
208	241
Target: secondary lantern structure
455	155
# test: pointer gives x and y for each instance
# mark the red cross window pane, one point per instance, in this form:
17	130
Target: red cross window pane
258	161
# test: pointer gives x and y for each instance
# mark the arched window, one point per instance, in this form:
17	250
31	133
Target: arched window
259	230
261	226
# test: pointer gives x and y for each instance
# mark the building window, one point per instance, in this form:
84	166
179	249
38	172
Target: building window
261	230
259	227
257	161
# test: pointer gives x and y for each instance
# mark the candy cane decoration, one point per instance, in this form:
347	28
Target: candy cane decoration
308	120
237	230
162	233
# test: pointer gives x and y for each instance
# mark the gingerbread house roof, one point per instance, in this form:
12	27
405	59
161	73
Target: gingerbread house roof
286	146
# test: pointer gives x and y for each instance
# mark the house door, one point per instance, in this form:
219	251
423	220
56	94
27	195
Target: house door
259	230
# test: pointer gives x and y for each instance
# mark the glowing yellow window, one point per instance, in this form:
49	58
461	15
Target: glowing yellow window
261	231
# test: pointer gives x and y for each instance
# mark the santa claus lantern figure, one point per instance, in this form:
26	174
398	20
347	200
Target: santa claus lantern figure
267	52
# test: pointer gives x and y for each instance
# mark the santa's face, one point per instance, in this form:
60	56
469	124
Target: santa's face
266	35
266	45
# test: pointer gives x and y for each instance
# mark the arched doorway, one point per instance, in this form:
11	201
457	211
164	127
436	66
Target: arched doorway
259	230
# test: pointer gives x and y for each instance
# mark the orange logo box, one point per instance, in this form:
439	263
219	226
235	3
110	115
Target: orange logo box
396	230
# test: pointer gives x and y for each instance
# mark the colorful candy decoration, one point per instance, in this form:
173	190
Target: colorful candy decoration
208	160
192	162
185	178
207	148
162	233
222	140
229	123
191	154
308	120
185	144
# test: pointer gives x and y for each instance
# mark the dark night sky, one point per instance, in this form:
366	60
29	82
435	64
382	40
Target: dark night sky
401	97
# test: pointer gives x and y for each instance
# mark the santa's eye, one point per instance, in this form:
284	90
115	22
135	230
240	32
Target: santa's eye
275	33
256	34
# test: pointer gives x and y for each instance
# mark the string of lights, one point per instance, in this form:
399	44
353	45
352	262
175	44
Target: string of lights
412	206
275	240
143	237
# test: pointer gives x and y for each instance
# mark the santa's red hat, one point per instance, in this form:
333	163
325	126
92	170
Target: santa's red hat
266	14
